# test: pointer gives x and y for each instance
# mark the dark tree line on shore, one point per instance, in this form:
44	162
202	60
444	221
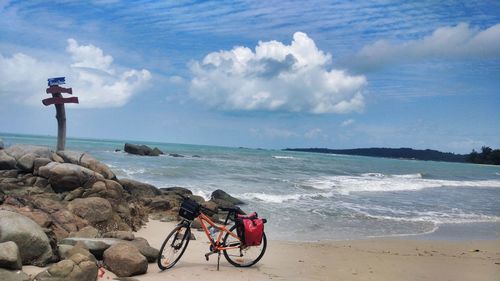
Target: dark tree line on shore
486	156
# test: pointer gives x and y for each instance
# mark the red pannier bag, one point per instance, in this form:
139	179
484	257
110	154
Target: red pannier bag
250	229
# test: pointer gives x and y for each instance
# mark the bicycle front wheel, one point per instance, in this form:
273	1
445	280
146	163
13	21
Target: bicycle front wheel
173	247
241	255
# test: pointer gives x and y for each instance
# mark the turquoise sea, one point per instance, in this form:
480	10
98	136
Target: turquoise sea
308	196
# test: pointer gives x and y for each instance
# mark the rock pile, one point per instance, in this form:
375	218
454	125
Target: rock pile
69	208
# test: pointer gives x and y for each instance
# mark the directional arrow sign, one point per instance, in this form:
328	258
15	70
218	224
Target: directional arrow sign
57	89
56	81
58	100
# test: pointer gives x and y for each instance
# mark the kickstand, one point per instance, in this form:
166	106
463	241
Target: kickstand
218	261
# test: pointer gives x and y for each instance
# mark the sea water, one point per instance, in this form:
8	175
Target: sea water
312	196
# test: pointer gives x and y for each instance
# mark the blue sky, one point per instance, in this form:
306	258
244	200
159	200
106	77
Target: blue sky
268	74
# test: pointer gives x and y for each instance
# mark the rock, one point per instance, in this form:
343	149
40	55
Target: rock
7	162
25	162
139	189
13	173
139	149
39	162
63	250
68	222
56	158
33	243
86	232
223	199
10	258
93	209
77	193
80	249
13	275
96	246
175	155
123	235
77	267
108	189
125	260
145	249
87	161
162	203
176	189
1	144
67	177
156	151
19	150
41	218
196	156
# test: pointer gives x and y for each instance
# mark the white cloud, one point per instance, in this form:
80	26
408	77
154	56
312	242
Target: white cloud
347	122
460	41
88	56
90	73
276	77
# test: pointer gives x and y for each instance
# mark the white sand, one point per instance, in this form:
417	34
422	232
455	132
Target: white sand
373	259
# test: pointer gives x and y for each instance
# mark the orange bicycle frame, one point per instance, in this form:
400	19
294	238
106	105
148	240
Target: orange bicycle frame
222	229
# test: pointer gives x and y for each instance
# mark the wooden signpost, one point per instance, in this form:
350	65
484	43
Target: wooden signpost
58	100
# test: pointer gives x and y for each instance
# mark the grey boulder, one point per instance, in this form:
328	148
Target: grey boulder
125	260
10	257
67	177
33	243
87	161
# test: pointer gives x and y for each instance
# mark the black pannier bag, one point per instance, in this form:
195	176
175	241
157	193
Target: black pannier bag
190	209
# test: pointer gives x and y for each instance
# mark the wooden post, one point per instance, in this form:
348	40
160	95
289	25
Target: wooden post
58	100
61	124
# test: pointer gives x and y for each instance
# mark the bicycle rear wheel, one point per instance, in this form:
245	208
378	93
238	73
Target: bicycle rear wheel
243	256
173	247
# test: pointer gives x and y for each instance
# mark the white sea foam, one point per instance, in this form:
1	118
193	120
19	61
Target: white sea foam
371	182
283	157
280	198
436	217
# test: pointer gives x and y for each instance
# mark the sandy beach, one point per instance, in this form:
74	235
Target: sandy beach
372	259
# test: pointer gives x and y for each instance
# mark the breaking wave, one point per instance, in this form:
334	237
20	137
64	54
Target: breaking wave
376	182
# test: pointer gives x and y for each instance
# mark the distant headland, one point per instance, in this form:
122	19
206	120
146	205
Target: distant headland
486	156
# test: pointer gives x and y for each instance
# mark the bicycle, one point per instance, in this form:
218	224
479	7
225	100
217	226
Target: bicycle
235	252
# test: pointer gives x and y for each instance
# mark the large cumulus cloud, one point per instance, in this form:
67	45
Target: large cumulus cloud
276	77
94	79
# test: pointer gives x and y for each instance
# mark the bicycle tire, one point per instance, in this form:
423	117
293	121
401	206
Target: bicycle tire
171	246
240	257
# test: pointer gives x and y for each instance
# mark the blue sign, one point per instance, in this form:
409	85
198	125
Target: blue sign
56	81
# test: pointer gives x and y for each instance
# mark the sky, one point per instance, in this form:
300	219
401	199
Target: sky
260	74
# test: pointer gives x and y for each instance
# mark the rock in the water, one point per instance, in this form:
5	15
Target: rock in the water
139	149
125	260
156	151
223	199
13	275
67	177
77	267
32	241
123	235
87	161
139	189
10	258
7	162
93	209
175	155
